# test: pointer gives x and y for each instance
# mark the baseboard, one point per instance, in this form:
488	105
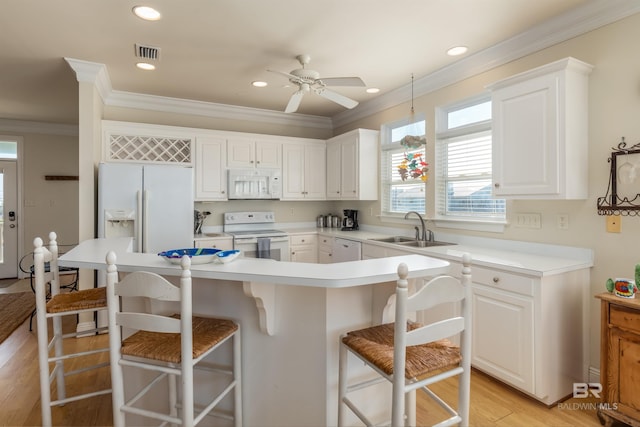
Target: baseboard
86	326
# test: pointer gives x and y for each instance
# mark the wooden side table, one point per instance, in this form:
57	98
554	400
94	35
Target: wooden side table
619	360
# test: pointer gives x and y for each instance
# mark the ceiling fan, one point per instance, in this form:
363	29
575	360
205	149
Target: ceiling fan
309	80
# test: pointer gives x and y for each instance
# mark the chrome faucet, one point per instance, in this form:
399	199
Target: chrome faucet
425	234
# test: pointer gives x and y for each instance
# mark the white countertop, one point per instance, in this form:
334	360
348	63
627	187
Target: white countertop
519	257
91	254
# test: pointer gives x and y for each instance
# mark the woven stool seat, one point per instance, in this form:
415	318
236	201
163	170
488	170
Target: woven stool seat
79	300
411	356
166	347
376	345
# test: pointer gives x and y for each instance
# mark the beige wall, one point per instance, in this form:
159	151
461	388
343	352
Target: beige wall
49	205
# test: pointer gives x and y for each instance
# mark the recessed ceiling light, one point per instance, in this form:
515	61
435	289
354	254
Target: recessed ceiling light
259	84
373	90
147	13
457	50
145	66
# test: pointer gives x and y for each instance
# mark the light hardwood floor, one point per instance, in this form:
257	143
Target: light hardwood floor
492	403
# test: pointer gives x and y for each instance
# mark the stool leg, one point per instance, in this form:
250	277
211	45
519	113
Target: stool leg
173	395
237	376
342	382
59	351
43	358
410	408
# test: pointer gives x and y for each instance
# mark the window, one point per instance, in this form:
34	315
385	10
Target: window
463	160
400	196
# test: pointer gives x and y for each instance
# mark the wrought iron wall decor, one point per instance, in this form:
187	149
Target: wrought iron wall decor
623	193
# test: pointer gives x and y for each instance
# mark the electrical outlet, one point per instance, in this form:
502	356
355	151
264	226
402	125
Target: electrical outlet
613	223
563	221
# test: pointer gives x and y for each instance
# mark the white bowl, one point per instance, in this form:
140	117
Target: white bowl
227	256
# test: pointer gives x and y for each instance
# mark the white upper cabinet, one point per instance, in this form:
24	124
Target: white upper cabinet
540	132
352	166
303	170
209	169
253	153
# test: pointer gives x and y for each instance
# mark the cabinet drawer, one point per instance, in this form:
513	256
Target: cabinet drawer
326	241
307	239
624	318
502	280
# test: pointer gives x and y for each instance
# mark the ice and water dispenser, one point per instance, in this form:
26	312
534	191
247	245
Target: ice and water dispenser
119	223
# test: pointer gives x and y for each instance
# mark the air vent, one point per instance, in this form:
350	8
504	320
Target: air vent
148	52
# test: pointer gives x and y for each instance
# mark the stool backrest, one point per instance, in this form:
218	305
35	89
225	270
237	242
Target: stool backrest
439	290
156	288
45	267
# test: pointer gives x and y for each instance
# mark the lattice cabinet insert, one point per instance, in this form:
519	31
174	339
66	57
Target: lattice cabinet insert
140	148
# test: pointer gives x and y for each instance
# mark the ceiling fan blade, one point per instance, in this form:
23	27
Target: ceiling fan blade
336	97
287	75
294	102
343	81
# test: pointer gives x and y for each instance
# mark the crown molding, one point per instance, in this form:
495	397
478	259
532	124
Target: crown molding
24	126
210	109
589	17
92	72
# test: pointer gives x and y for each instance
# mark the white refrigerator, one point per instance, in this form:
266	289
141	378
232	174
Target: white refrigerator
152	203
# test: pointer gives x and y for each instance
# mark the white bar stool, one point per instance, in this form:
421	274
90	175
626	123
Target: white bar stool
46	271
169	345
422	353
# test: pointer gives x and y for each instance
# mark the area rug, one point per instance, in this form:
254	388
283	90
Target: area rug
14	309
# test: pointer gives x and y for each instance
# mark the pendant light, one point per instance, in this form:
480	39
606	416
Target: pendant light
413	166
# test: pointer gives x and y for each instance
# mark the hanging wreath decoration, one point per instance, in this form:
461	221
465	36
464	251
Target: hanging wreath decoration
413	165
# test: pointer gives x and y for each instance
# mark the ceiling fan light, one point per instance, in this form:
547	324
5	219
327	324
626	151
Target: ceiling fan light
147	13
457	50
145	66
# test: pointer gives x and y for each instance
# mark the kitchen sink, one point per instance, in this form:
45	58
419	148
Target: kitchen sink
395	239
423	244
408	241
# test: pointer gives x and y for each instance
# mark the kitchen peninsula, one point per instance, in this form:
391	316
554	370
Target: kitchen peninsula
291	315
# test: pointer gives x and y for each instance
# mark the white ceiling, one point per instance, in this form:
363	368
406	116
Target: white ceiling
212	50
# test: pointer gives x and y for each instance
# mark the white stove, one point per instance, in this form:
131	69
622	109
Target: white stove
254	235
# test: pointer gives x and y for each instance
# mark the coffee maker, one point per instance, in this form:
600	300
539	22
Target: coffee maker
350	220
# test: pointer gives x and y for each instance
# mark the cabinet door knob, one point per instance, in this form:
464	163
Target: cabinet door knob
496	279
496	185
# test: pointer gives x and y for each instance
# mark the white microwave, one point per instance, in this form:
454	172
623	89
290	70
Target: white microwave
250	184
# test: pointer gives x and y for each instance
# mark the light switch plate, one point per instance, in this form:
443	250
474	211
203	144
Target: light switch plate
613	223
529	220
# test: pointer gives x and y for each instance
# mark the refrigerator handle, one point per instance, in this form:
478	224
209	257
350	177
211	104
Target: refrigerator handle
145	209
139	221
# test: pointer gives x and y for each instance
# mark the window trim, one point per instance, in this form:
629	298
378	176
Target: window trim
442	132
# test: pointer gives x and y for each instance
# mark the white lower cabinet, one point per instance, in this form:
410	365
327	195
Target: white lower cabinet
304	248
222	243
503	336
325	249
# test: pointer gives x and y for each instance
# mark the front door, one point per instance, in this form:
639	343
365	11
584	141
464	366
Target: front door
8	220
